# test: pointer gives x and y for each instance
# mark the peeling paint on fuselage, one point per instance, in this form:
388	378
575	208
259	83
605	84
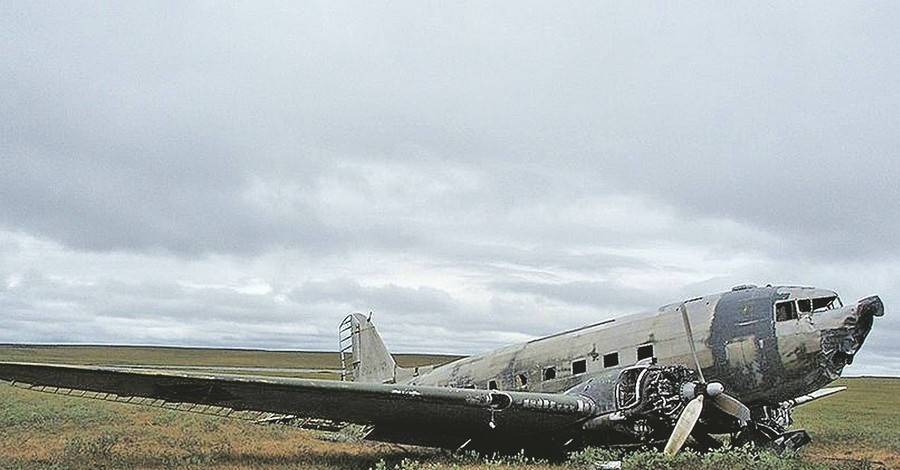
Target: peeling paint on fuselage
742	341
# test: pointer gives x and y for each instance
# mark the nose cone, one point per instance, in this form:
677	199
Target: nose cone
842	341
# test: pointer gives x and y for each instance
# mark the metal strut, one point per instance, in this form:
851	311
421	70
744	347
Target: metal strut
345	346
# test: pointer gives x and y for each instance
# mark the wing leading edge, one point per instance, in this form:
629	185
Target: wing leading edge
414	414
820	393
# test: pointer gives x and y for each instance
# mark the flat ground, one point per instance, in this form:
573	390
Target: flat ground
854	429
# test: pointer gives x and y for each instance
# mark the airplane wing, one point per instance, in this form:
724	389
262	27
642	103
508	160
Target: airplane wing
414	414
820	393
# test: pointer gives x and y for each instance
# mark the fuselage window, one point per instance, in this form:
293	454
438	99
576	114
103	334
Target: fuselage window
579	367
785	311
804	305
521	380
645	351
492	385
611	359
550	373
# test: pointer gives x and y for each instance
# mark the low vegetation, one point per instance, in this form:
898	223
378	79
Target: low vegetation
856	429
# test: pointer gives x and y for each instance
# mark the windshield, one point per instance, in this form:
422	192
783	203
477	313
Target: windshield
826	303
792	309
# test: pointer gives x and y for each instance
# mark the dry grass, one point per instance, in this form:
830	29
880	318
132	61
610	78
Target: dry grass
41	431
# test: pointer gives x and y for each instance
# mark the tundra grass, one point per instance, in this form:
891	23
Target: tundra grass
862	422
854	429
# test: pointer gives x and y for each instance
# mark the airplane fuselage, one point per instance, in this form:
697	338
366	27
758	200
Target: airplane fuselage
767	344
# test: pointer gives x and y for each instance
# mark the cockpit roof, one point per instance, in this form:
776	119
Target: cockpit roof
799	292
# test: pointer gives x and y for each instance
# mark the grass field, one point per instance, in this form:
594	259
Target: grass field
859	428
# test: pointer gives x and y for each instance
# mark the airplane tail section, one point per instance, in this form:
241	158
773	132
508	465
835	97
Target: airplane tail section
364	357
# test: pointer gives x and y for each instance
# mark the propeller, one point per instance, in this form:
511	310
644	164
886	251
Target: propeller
695	392
684	426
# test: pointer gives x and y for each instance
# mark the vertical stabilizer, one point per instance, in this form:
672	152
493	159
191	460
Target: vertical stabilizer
369	358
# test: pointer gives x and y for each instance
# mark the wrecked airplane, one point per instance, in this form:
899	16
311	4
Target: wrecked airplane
730	363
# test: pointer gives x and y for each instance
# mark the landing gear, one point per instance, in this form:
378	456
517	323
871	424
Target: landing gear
768	431
764	436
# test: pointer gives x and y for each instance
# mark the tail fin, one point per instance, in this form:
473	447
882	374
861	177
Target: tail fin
370	360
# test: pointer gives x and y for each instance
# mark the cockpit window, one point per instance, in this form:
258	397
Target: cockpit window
792	309
826	303
785	311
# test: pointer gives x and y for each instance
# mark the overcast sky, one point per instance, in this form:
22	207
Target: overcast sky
192	173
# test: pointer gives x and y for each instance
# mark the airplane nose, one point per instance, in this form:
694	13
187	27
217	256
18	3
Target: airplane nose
841	343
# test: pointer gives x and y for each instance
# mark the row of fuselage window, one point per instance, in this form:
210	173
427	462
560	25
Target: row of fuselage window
578	367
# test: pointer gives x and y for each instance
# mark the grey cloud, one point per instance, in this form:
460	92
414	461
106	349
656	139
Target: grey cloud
392	299
47	310
527	153
149	132
595	294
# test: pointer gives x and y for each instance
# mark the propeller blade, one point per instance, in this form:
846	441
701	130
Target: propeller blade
732	406
691	413
684	426
690	337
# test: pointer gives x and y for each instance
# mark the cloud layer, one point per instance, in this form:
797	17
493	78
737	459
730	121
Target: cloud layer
475	174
